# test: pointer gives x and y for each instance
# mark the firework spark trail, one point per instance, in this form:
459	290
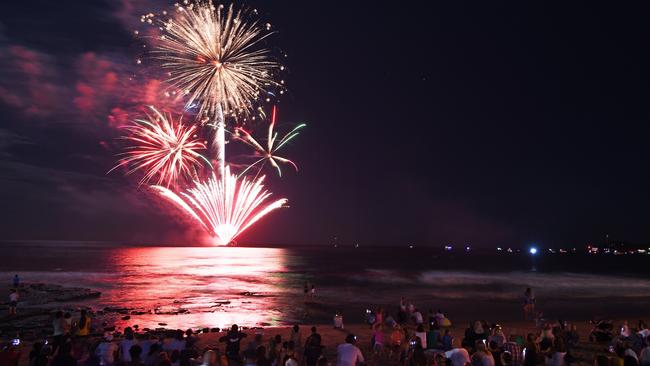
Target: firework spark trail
213	56
268	154
163	148
224	207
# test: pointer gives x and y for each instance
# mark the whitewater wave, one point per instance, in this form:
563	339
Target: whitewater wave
507	285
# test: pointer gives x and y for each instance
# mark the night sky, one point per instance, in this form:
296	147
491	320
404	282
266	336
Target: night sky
427	124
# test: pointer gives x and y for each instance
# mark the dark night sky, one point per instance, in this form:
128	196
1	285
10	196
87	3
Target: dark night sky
465	123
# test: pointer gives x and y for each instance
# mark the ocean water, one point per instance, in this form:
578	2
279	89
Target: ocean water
183	287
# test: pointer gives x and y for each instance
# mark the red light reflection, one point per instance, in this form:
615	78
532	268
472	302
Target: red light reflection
198	287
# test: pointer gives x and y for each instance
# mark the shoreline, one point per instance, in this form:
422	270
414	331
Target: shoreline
39	301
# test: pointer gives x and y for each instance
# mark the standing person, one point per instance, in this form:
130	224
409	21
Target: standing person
313	350
67	324
379	316
314	334
13	301
447	340
189	353
152	357
434	339
296	336
348	354
422	336
58	331
529	304
126	344
305	289
572	338
418	318
530	351
145	342
378	339
233	339
84	324
176	343
312	292
396	340
338	321
16	281
135	353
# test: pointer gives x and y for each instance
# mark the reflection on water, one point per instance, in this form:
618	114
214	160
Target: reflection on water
217	286
181	287
209	287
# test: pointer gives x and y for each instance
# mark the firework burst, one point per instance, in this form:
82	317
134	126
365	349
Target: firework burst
216	63
213	55
224	207
164	149
273	145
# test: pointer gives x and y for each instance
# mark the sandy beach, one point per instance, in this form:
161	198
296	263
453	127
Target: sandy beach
584	353
33	323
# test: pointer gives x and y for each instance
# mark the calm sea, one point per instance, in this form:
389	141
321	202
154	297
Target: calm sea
216	286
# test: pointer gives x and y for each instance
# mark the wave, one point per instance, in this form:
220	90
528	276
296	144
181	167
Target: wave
509	284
